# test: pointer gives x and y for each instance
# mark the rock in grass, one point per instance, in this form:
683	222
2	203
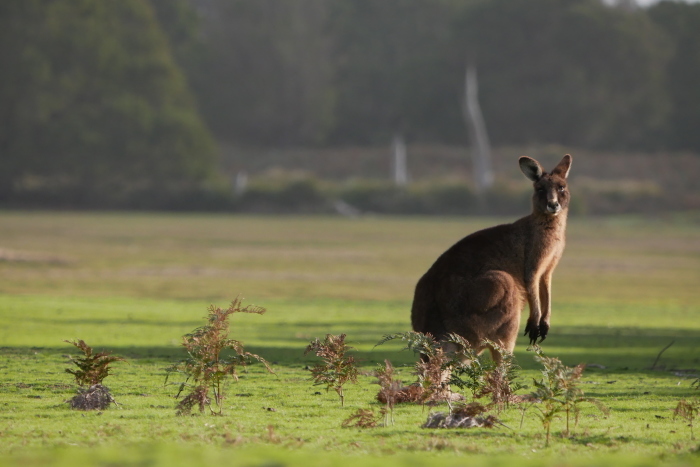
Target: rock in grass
458	420
96	397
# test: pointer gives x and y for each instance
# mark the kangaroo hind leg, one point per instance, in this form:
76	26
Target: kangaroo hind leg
497	303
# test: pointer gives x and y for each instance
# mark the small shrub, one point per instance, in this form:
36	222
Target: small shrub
486	378
283	192
433	376
558	392
92	367
450	197
392	391
433	367
361	418
462	367
212	356
337	369
377	196
687	410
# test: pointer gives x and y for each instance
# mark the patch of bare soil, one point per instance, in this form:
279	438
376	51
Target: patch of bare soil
14	256
96	397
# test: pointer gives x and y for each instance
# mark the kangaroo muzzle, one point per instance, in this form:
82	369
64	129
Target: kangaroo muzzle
553	207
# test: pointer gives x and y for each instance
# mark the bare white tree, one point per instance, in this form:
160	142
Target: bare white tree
240	182
399	166
480	145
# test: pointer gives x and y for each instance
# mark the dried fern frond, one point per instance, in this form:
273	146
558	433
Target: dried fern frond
417	342
197	398
235	307
337	368
471	409
92	367
688	410
362	418
212	357
558	391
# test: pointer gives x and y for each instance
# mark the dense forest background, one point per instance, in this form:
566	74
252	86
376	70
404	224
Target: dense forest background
161	103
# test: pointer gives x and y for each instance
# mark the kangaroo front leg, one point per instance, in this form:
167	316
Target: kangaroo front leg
546	304
532	328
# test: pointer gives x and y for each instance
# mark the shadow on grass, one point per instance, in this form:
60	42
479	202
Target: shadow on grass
609	350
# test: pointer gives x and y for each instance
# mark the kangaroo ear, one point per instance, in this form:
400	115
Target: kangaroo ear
562	169
531	168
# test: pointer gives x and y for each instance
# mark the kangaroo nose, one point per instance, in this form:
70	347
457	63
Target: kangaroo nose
553	206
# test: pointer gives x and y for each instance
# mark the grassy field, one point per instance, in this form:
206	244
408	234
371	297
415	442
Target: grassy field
135	283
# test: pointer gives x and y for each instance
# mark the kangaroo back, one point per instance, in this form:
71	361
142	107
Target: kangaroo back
479	287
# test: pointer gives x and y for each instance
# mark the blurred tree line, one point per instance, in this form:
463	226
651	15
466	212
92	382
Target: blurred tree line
574	72
128	97
94	110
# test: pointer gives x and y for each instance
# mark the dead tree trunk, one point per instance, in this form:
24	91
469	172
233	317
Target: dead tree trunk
399	166
479	138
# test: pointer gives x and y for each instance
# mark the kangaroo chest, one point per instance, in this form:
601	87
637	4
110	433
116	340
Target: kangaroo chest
544	250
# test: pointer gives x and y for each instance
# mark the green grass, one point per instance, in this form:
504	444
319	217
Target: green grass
135	283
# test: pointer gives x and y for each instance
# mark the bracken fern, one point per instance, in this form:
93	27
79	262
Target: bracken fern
337	368
558	392
92	367
688	410
212	357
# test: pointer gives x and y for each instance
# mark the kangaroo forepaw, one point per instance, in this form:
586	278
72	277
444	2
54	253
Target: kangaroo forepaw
544	329
533	331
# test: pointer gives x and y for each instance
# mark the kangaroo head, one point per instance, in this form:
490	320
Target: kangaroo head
551	195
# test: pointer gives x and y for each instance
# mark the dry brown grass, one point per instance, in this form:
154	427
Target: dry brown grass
195	256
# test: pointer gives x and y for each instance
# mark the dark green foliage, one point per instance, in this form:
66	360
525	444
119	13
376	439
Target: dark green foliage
280	193
681	23
212	358
265	77
575	72
558	392
388	80
94	109
337	368
97	105
92	367
357	72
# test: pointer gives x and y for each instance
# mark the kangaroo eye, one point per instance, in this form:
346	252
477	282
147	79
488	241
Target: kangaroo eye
562	189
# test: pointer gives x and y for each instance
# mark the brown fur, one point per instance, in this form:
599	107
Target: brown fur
479	286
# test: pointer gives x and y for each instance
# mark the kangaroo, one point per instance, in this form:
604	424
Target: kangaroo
479	286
